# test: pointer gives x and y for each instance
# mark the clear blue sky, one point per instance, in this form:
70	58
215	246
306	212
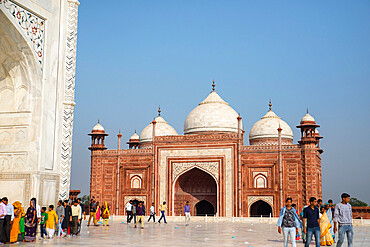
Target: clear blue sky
135	55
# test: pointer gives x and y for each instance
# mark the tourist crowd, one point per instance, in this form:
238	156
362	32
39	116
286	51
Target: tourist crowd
16	224
316	219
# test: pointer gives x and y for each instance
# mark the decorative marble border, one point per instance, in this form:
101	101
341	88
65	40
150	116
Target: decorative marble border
68	103
31	25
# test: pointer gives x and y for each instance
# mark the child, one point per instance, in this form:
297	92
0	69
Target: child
44	219
50	223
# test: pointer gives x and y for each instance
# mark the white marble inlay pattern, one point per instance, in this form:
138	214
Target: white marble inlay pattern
179	167
31	25
268	199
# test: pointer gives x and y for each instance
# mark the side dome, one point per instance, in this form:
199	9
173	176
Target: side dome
212	115
162	128
98	128
265	130
307	119
134	137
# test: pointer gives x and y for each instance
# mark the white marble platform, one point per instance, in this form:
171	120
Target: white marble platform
177	234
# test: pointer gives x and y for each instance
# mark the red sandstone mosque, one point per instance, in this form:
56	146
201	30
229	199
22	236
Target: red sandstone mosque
210	165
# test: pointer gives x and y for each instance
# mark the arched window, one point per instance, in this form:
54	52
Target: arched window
260	181
135	182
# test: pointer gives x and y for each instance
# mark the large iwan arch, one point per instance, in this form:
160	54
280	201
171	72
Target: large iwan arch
37	76
199	188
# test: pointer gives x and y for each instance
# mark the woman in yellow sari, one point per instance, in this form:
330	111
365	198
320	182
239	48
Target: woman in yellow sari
325	236
18	214
105	214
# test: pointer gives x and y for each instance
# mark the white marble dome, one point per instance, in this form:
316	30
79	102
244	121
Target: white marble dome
98	127
135	136
162	128
212	114
267	127
307	118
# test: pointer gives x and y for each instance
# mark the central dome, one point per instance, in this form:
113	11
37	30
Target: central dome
212	115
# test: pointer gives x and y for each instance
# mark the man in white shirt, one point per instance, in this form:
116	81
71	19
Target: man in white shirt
9	217
82	214
76	217
152	213
2	219
129	212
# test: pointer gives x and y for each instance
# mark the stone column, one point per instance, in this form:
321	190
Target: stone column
280	168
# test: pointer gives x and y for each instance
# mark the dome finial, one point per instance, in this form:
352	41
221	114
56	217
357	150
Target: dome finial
159	110
98	121
213	85
270	105
135	130
307	110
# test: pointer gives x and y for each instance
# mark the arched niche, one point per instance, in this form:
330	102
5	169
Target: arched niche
20	76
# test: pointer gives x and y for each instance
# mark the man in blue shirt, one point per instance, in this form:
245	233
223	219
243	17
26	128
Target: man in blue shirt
187	213
311	216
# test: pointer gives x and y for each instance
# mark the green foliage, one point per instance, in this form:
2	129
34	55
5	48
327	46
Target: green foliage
357	203
85	200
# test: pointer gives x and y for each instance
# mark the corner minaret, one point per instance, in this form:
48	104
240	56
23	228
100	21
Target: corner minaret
308	130
134	141
311	158
97	138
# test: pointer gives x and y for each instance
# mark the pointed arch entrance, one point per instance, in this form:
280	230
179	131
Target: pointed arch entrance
260	208
199	188
203	208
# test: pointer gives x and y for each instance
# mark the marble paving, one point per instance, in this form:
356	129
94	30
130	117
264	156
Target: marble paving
177	234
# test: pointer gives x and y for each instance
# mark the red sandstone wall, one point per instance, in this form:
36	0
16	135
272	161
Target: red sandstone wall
301	173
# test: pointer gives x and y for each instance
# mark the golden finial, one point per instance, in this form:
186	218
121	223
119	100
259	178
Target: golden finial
135	130
270	105
159	110
307	110
98	121
213	85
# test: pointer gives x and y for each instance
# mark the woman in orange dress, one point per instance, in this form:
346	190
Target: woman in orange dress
18	214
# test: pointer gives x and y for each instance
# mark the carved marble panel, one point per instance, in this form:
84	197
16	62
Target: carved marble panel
13	162
268	199
179	167
139	198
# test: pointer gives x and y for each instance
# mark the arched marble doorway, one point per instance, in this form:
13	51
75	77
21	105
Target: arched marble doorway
199	188
20	111
260	208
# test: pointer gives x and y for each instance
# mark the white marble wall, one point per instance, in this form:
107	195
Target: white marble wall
34	74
